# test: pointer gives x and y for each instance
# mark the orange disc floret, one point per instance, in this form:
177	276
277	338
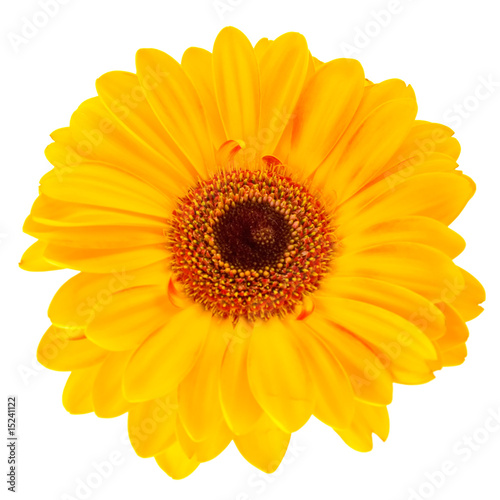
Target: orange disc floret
250	243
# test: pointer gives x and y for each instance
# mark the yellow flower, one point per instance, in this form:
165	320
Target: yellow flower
261	237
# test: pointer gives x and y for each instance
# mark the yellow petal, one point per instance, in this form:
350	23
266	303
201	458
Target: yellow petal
441	196
199	405
237	86
401	301
240	409
413	228
424	139
261	47
465	293
282	150
197	63
124	97
105	237
390	181
61	134
367	420
61	353
402	344
166	357
151	425
98	136
317	63
455	356
33	259
417	267
52	212
104	186
370	379
77	301
129	317
283	72
107	395
77	394
338	86
374	96
64	157
406	168
175	462
92	260
264	446
278	375
376	140
334	397
208	449
456	330
174	100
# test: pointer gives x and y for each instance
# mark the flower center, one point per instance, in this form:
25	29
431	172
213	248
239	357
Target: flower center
252	235
250	243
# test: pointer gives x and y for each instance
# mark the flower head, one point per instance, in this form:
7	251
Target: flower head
260	237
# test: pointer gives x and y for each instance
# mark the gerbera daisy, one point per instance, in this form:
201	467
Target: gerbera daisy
261	237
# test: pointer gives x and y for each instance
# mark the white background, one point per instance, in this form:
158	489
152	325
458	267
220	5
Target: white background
445	49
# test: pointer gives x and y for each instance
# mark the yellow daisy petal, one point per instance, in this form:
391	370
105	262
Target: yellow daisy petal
166	357
456	330
78	300
264	446
33	259
415	196
61	353
261	47
176	103
239	406
426	138
283	72
413	228
199	407
369	378
77	394
126	100
208	449
368	419
317	63
334	397
403	345
105	186
237	86
107	394
95	236
455	356
151	425
278	376
373	97
197	63
175	462
409	305
372	146
106	260
391	180
97	136
419	268
65	214
128	318
317	128
61	134
465	294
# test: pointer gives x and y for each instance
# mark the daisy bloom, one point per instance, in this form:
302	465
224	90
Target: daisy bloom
260	237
